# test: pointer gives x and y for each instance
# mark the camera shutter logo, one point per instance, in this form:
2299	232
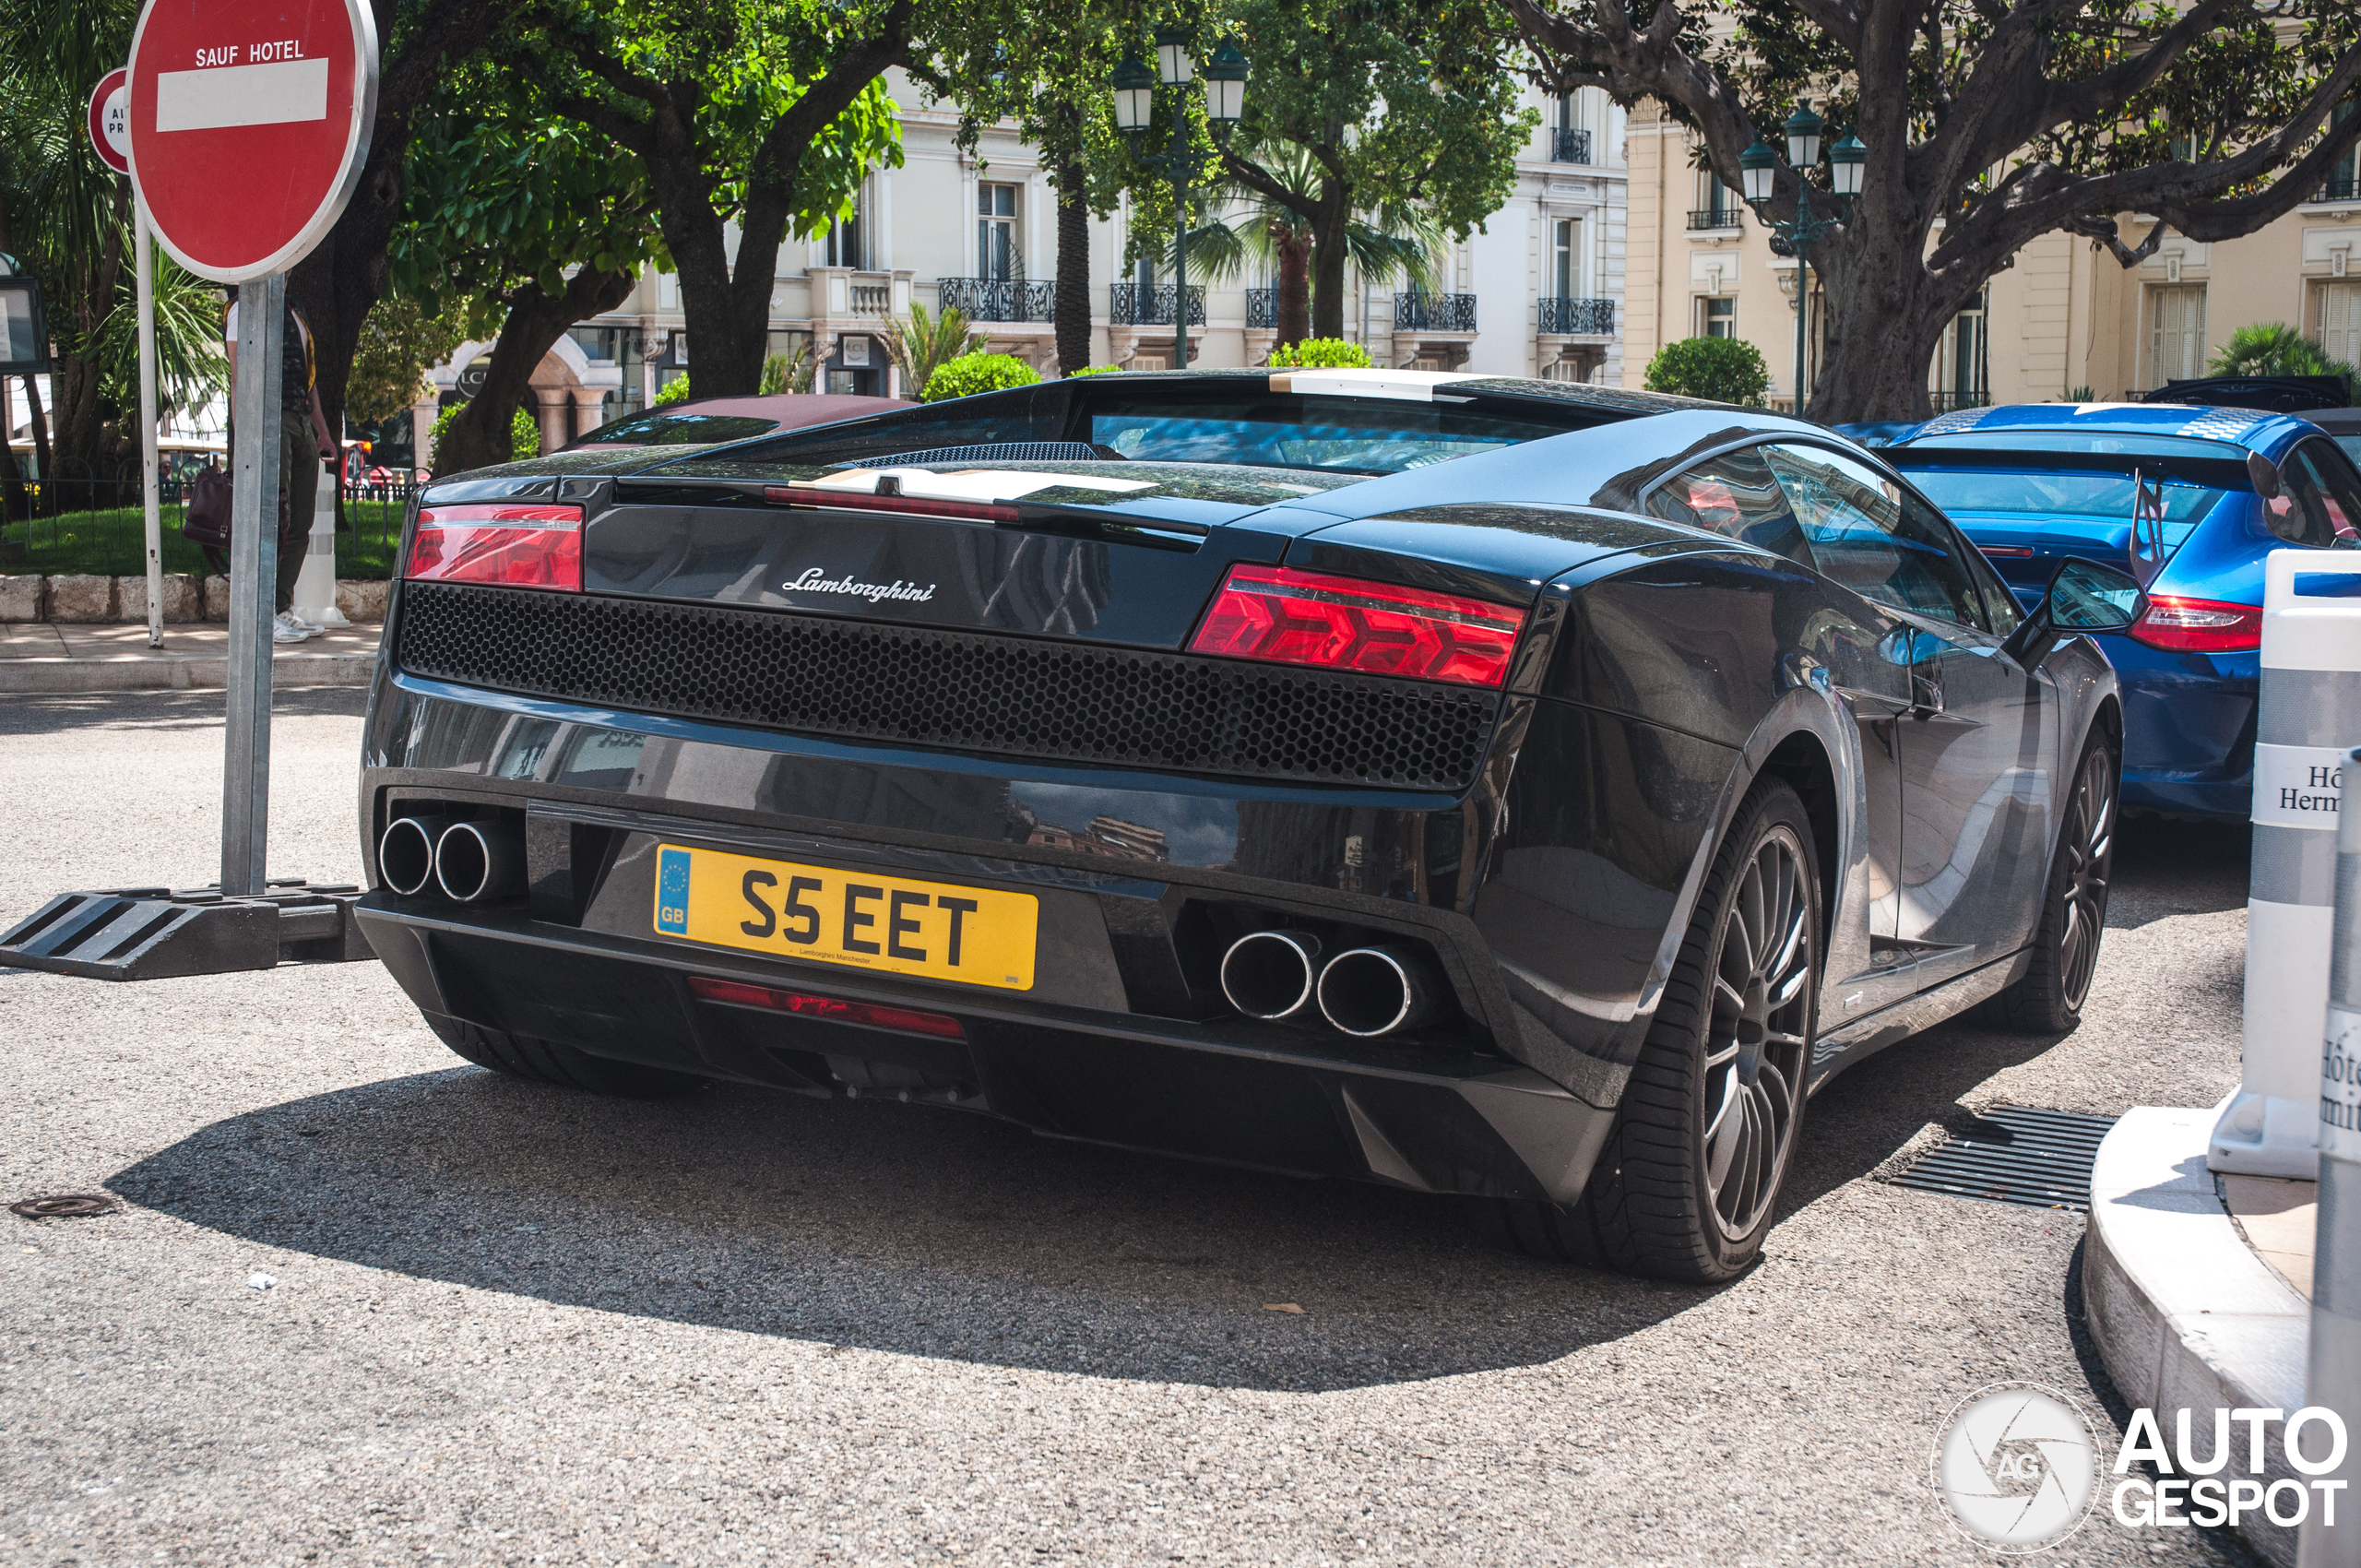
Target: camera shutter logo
2016	1467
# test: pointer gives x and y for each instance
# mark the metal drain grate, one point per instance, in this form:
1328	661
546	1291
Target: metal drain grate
2014	1155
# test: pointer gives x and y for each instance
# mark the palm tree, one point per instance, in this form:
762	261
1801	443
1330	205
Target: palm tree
920	344
1388	242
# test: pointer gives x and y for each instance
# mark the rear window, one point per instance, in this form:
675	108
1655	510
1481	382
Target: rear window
2078	495
2130	444
679	430
1289	430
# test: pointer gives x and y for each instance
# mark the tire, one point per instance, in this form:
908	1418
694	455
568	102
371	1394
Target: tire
548	1062
1682	1190
2047	1000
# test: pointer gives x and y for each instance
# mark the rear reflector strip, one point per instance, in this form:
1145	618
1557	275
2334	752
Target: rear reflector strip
523	547
829	1009
2198	625
912	506
2010	549
1292	617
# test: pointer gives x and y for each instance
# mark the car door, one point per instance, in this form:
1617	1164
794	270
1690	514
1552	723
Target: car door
1977	747
1735	494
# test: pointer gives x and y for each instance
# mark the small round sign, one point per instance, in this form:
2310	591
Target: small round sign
250	121
110	120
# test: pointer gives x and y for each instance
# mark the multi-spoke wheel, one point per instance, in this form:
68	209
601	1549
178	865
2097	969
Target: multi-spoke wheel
2065	953
1689	1181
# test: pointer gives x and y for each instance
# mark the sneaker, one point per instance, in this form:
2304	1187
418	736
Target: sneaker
286	629
313	626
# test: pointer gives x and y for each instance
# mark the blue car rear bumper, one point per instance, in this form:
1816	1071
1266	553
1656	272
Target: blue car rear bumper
2189	725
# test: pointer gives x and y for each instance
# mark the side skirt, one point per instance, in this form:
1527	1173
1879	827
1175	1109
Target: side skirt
1860	1038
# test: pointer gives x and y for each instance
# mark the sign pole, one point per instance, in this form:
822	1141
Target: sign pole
254	581
148	478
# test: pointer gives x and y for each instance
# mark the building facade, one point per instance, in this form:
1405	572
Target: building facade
2063	321
1537	291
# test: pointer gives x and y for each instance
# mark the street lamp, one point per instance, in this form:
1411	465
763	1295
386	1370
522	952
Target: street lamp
1225	101
1758	181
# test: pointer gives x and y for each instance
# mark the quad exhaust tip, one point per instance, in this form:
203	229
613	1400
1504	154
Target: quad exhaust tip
405	852
1270	974
481	862
1369	991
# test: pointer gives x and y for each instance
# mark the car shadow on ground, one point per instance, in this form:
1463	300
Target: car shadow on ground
54	713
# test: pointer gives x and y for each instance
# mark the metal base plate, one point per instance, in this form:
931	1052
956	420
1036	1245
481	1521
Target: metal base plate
131	933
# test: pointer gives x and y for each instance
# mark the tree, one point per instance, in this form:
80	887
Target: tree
1398	242
2273	348
919	346
531	220
400	343
1396	104
761	115
1989	125
420	43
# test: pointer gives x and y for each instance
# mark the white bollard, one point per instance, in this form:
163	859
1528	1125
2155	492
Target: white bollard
315	583
2308	717
2333	1377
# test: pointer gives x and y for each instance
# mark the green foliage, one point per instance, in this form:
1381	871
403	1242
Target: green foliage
1094	370
400	343
971	373
523	435
789	373
1726	370
1322	353
674	391
2082	394
2273	348
921	344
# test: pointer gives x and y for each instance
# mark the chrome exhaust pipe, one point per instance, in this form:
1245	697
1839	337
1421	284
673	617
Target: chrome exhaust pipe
1375	990
1268	974
481	862
406	854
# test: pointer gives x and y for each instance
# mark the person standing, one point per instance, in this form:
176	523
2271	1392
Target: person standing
303	445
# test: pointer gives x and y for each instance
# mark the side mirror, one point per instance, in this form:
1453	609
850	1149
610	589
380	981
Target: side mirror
2083	596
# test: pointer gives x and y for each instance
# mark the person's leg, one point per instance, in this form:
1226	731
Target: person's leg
299	471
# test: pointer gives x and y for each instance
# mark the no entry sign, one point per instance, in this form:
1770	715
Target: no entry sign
249	123
110	121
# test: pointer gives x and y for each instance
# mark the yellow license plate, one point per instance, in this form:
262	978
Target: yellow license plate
936	929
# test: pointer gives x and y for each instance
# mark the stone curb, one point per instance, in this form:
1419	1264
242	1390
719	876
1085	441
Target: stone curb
2185	1316
188	601
28	677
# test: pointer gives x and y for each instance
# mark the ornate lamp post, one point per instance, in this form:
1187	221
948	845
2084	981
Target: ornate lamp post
1135	87
1758	181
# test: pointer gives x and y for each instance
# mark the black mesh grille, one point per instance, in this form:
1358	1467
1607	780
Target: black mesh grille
998	452
959	690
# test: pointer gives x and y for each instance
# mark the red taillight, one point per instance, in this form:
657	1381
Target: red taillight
1294	617
510	546
2198	625
832	1009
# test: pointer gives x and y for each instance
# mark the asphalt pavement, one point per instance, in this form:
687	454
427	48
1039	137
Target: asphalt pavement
364	1304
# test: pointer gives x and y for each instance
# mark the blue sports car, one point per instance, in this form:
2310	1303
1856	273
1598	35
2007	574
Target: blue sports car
2032	484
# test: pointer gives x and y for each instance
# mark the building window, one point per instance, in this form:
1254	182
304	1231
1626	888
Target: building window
2176	333
1717	203
997	256
847	242
1566	257
2336	310
1717	318
1964	360
2344	183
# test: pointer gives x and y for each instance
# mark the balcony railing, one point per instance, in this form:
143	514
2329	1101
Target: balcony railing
1569	145
1261	308
1128	304
1586	318
1001	299
1714	218
1415	310
872	299
1946	402
2347	188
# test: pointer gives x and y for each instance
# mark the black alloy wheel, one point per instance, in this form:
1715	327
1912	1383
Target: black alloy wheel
2064	958
1688	1183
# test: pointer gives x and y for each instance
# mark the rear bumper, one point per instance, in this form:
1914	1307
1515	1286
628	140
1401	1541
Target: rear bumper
1413	1116
2188	728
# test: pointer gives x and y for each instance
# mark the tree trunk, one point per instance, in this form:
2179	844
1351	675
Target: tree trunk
1887	313
1293	317
1072	297
40	437
1328	256
480	436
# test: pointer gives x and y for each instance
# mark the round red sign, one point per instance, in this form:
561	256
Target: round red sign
250	121
110	121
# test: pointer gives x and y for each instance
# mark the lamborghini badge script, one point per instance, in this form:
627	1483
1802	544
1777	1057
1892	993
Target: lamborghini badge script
814	580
